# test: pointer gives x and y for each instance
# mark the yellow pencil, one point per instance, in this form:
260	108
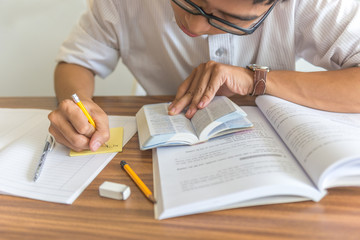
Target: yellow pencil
138	181
81	106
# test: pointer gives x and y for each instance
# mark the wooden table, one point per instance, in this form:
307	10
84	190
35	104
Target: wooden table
337	216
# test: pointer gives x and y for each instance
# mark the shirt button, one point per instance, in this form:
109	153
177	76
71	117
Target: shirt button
220	52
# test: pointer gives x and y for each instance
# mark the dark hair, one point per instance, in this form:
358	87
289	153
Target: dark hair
267	2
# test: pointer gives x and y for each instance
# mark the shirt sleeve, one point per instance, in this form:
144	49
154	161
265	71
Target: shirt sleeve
327	33
92	43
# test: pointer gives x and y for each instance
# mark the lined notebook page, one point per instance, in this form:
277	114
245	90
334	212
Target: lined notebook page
63	178
14	123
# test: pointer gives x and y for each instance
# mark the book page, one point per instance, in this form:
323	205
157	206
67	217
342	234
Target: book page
63	178
157	128
160	122
321	141
218	107
228	170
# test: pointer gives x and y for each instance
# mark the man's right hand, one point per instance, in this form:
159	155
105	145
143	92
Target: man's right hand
71	128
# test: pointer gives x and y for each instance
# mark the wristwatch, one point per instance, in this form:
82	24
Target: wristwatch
260	73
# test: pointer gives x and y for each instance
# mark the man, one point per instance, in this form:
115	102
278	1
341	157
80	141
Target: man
210	44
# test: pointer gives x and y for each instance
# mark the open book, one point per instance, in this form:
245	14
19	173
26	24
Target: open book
63	178
156	128
293	153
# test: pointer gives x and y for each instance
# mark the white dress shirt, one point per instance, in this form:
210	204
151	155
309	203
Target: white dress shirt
144	34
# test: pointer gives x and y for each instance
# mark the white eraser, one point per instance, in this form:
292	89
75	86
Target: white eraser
114	190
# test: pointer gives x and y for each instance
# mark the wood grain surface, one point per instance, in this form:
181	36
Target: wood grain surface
337	216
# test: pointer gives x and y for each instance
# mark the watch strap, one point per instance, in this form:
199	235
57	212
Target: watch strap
259	82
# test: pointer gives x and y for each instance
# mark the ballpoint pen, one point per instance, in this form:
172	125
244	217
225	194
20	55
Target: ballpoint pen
49	144
138	181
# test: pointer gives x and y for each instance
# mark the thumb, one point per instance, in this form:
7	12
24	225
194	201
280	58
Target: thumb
100	136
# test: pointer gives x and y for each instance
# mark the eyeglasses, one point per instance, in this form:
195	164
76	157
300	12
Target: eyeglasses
220	23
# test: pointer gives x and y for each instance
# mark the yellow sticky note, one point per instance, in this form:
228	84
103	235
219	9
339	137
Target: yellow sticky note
113	145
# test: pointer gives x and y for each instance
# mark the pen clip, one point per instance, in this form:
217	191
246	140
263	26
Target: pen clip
50	138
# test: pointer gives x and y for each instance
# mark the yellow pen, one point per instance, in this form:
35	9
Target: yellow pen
138	181
81	106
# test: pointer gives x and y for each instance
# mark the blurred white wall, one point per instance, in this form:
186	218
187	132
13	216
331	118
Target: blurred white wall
31	32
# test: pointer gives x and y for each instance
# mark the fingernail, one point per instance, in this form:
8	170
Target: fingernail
96	146
189	112
201	104
172	110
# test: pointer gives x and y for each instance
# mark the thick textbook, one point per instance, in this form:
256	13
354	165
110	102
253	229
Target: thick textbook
156	128
63	178
293	153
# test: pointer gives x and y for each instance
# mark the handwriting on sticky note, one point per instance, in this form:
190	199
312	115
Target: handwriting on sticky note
113	145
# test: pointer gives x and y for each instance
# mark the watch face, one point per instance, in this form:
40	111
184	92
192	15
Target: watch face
256	66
